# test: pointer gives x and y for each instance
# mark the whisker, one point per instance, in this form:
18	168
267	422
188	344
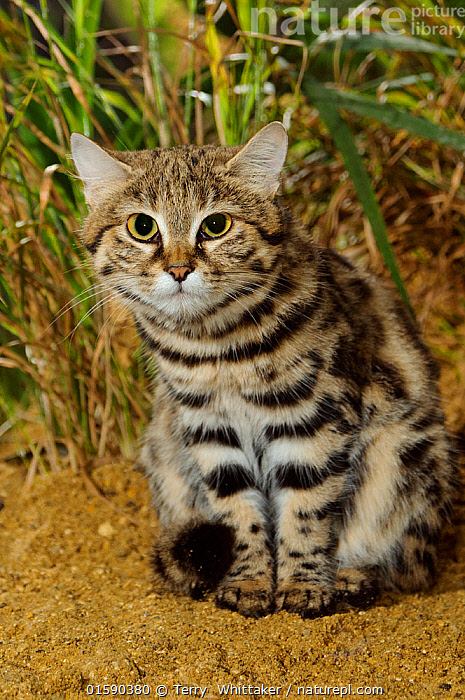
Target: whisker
120	310
96	306
70	305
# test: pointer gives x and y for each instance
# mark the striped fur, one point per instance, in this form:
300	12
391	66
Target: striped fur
297	453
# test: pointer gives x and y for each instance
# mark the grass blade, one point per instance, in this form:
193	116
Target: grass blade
381	41
388	114
15	122
343	138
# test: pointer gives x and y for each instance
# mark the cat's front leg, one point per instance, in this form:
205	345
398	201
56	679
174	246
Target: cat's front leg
307	538
309	489
248	584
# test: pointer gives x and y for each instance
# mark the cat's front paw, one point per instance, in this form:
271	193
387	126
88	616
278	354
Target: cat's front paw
195	558
252	598
305	598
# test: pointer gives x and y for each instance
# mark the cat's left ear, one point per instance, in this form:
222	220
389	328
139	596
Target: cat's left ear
98	170
260	161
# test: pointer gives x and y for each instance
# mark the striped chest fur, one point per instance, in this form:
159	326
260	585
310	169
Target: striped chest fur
296	453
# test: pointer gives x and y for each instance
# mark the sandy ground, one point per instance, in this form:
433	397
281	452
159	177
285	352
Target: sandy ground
79	609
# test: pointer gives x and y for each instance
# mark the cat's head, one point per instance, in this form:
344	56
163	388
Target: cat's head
179	231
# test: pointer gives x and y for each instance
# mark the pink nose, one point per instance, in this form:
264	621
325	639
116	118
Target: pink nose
180	272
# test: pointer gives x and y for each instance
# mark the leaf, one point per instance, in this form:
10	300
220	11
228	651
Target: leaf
390	115
381	41
398	82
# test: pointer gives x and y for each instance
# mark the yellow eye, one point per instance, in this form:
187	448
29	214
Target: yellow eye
216	225
142	227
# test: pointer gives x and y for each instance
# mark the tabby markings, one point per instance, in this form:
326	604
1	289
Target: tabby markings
326	412
285	397
288	326
228	479
306	476
93	247
223	436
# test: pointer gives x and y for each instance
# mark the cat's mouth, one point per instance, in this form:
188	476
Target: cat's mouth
180	300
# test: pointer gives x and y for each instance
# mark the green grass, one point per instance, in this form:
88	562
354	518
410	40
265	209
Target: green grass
67	359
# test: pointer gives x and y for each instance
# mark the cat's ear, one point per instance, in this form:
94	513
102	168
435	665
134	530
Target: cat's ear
260	161
97	169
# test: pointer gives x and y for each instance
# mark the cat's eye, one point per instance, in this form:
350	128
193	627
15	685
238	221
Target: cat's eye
142	227
216	225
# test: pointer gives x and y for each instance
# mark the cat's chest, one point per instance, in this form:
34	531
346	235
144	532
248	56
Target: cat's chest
271	387
226	380
249	397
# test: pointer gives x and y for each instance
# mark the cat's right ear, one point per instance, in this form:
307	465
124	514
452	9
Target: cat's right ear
259	163
97	169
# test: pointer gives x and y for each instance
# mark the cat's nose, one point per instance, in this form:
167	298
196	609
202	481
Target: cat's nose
180	272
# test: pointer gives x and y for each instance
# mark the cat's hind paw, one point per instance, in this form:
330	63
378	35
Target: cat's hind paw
194	559
250	598
356	588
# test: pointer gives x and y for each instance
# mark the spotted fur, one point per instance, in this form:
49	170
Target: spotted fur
296	454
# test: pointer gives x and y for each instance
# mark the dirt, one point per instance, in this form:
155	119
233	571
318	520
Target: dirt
81	616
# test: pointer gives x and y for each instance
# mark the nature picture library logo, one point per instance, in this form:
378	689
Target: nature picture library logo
423	20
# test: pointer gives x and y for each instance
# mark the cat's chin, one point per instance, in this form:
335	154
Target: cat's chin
188	301
182	306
